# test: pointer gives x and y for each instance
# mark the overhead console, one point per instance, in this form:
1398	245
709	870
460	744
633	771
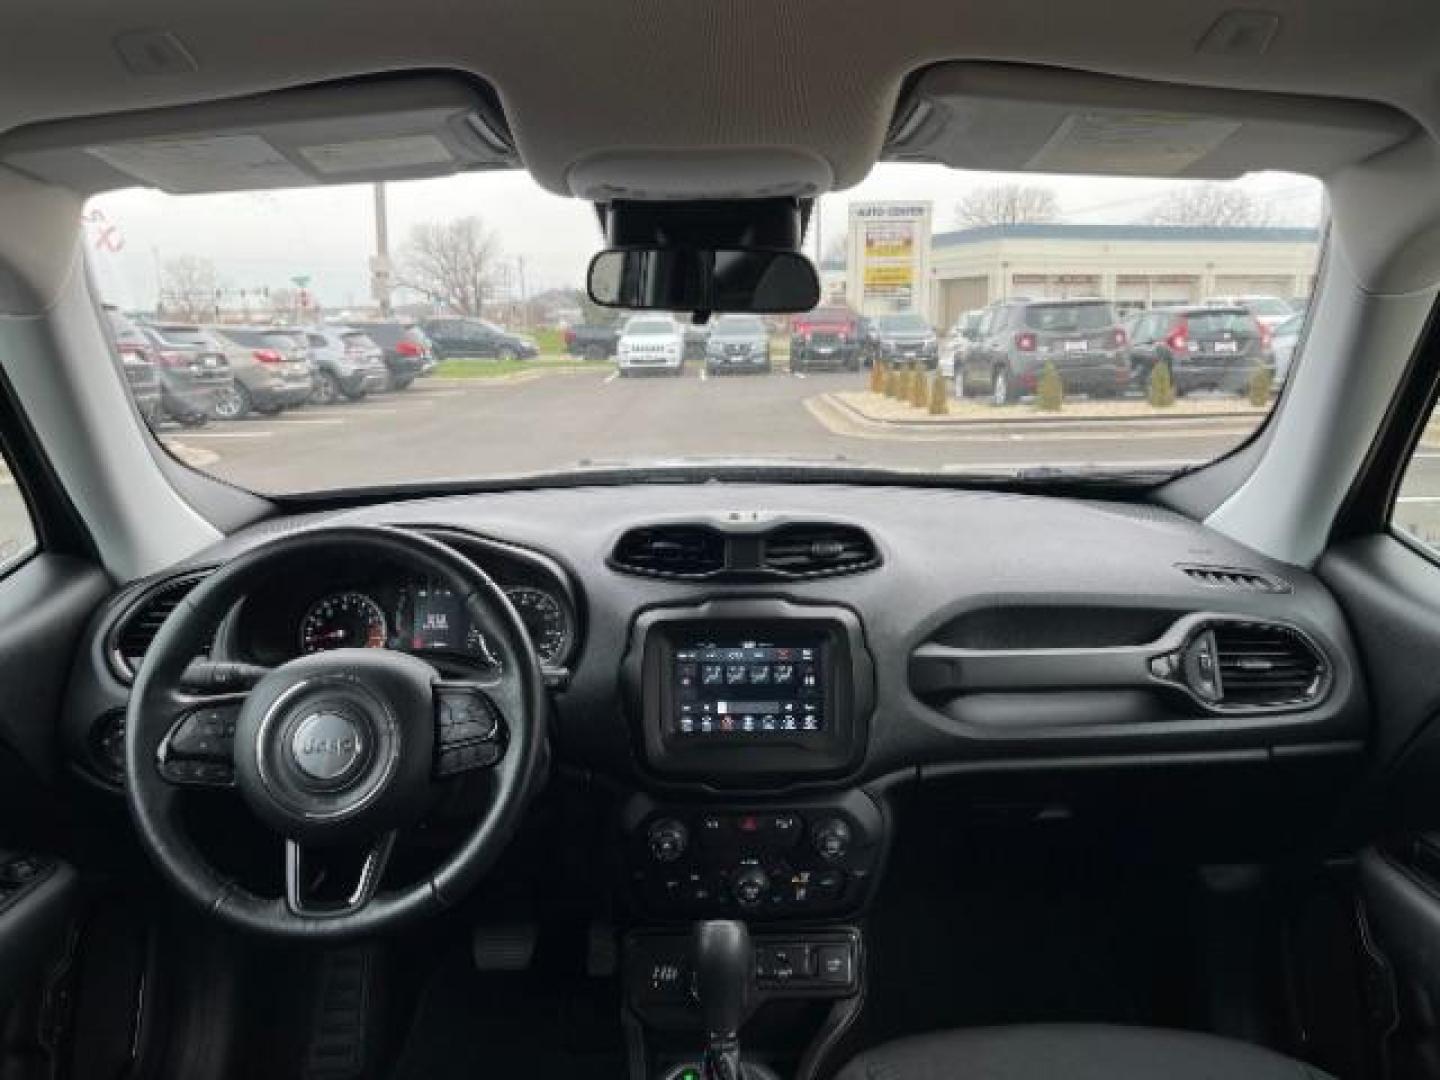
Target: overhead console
750	693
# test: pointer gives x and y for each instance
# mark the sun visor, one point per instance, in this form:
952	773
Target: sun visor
1013	118
361	131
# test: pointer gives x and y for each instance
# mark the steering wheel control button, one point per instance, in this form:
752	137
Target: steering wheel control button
200	749
329	746
469	734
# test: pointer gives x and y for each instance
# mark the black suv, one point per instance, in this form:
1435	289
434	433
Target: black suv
1205	348
477	338
1017	338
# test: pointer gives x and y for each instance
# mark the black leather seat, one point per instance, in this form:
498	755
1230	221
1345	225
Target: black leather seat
1073	1052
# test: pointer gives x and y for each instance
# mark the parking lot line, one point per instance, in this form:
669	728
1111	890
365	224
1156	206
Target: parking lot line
189	434
612	377
798	374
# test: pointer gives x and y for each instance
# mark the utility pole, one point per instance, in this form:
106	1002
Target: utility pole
524	305
819	235
380	263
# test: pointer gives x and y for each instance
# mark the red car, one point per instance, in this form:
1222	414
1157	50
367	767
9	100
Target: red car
828	337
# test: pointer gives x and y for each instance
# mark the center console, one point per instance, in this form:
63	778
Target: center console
748	716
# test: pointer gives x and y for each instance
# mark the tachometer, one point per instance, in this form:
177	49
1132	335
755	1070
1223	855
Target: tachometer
544	618
349	620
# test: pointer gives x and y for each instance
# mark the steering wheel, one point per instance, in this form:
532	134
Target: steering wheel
340	747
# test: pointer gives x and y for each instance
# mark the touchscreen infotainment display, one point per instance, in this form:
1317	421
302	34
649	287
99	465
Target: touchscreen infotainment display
742	688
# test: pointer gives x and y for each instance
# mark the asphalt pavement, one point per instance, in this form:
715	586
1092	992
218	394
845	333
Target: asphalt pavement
442	429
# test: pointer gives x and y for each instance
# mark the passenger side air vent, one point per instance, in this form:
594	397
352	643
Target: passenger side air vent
1266	665
1242	666
818	550
1234	579
675	551
135	630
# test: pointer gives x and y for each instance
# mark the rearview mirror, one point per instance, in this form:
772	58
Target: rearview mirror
690	279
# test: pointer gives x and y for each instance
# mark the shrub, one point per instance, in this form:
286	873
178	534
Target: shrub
1160	391
1262	380
877	377
939	396
919	388
1050	390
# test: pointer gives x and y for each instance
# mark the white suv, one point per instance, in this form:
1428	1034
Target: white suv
651	343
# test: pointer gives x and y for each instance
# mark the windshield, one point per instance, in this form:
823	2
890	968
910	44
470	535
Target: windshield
650	326
1270	307
1219	321
903	324
1068	287
738	326
1067	318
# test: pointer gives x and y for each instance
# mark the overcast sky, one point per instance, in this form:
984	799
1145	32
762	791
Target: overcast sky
268	238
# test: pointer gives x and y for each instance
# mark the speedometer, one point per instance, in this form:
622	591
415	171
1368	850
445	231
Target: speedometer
349	620
545	620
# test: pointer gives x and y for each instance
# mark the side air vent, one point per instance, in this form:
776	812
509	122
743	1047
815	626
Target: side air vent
1234	579
1266	665
1243	666
135	630
818	550
676	551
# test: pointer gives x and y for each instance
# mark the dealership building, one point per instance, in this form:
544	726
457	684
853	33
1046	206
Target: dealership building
1136	264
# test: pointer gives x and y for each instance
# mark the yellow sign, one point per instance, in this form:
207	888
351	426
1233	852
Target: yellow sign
889	275
890	241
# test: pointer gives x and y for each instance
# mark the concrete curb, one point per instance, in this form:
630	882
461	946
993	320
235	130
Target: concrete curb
194	456
1040	422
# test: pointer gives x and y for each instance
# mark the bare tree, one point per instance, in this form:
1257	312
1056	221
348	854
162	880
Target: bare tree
1215	205
450	263
1006	204
188	286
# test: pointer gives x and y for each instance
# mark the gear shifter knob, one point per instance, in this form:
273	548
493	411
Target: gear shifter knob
724	974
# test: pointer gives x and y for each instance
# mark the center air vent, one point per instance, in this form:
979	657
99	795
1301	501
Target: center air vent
1240	666
815	550
136	629
680	551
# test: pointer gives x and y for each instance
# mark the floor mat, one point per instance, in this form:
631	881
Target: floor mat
539	1024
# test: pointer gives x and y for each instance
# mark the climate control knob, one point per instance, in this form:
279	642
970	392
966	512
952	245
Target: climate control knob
831	838
750	886
668	839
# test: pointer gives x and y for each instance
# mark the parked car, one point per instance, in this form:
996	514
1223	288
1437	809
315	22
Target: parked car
478	338
192	377
271	371
407	350
1017	338
905	337
962	335
827	337
696	338
1284	344
738	343
138	361
1205	348
651	343
1270	311
591	341
344	362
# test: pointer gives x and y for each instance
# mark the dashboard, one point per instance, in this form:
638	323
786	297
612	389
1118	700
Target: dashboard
768	639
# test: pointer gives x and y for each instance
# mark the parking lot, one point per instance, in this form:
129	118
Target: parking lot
463	428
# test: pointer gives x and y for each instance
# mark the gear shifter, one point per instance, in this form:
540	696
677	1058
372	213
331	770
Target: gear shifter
724	974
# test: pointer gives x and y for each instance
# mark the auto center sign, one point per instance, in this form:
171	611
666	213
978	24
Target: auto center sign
888	257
